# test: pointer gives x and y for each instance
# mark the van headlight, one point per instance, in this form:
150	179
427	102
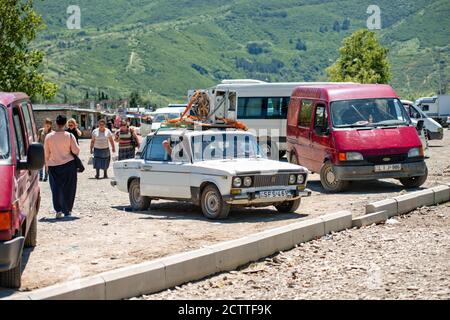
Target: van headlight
248	181
237	182
354	156
415	152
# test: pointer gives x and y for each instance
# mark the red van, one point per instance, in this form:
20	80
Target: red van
20	158
352	132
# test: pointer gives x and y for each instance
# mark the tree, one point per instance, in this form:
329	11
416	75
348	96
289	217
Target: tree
362	59
19	67
135	99
336	26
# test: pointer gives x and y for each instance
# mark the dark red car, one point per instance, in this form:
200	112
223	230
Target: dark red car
20	158
350	132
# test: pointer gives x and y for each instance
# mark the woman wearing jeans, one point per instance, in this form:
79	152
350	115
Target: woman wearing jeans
101	138
60	146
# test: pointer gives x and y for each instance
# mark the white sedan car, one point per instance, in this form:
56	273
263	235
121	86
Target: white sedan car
215	169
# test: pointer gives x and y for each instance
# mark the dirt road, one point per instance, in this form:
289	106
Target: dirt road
104	235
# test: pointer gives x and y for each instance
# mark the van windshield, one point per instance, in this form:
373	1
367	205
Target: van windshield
4	141
162	117
368	113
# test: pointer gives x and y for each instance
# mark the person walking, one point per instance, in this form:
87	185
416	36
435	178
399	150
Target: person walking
128	141
42	134
101	138
72	127
60	148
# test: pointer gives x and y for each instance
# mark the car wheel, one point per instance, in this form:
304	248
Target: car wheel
137	201
213	206
414	182
329	180
31	239
289	206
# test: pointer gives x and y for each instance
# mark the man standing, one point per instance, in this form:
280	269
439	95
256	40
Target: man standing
60	147
43	132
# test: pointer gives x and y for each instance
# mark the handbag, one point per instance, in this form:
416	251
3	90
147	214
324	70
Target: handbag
78	163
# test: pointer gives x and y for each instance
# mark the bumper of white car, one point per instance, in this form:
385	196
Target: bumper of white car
255	197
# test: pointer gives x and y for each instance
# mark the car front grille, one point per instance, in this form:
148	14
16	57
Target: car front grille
388	159
271	180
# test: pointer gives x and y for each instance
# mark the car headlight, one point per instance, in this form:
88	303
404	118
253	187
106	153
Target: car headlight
248	182
414	153
292	179
300	179
237	182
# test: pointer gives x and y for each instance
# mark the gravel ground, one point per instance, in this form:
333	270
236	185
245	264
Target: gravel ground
104	235
406	258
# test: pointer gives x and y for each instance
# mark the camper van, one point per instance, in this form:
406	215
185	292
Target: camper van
263	107
437	107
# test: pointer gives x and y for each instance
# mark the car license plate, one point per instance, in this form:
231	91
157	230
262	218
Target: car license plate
273	194
388	167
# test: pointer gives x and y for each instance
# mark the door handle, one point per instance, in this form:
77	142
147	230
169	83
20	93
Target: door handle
146	168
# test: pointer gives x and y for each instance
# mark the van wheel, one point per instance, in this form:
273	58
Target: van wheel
294	159
289	206
137	201
329	180
213	206
414	182
31	239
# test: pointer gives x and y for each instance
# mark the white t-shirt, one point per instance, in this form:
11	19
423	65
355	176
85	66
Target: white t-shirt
101	138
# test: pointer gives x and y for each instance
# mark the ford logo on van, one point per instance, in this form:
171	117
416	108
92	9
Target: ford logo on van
386	159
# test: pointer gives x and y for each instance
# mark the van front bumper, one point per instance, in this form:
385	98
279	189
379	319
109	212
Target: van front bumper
11	253
347	173
251	198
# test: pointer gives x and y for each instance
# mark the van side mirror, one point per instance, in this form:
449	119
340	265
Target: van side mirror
420	125
35	158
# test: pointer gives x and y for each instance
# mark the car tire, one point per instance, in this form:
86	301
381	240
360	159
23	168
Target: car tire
137	201
212	204
289	206
414	182
31	239
329	181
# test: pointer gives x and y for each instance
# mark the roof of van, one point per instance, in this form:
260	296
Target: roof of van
169	110
345	92
6	98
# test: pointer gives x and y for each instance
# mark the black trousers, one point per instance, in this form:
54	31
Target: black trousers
63	183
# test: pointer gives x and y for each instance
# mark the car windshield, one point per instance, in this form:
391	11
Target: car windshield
161	117
4	141
225	146
368	113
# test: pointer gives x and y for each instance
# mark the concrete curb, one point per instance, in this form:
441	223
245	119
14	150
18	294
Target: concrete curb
369	219
165	273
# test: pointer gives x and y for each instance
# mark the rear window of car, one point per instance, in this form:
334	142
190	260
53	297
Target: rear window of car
4	136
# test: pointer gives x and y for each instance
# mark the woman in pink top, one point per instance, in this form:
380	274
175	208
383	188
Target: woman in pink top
60	146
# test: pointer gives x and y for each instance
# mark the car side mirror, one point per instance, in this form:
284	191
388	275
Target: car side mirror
420	125
35	158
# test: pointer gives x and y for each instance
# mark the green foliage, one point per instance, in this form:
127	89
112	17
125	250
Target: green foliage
135	99
362	59
19	68
187	44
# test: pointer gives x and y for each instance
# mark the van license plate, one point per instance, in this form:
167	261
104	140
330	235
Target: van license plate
274	194
388	167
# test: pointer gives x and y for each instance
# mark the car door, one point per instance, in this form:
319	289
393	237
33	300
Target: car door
24	178
162	177
320	136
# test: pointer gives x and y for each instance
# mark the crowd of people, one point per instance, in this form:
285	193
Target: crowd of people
62	148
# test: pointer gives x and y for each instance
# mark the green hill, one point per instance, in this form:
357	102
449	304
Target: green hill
163	48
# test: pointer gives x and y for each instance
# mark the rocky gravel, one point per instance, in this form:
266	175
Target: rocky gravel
406	258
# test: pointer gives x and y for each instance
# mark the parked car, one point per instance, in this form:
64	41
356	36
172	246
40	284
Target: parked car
215	169
163	114
433	129
20	158
354	132
437	107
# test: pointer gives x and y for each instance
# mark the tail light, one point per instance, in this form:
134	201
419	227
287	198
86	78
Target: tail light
5	220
